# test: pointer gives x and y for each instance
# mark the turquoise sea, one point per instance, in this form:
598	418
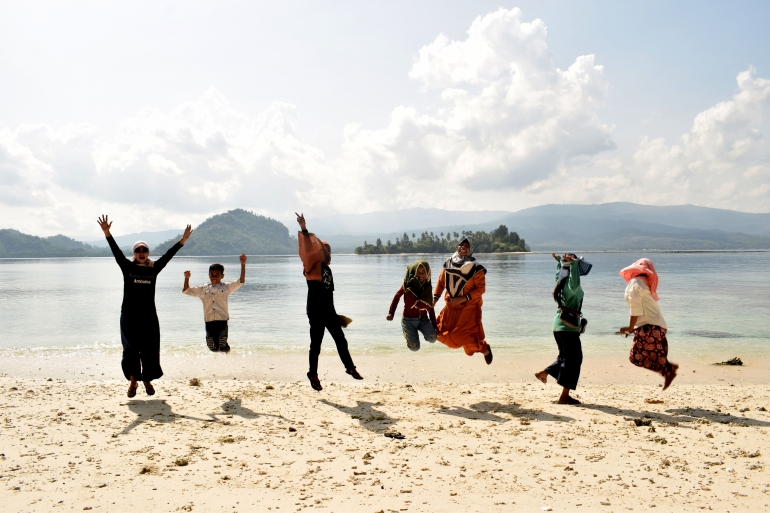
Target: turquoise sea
716	304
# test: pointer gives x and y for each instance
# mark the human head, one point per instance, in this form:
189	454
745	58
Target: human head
141	252
421	273
464	248
216	273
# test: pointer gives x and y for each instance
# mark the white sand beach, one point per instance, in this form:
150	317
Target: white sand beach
240	445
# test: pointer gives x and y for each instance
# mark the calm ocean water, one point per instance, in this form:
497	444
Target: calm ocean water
716	304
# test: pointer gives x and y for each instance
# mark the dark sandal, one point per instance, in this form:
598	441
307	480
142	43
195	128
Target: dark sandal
488	356
315	382
132	391
149	389
353	372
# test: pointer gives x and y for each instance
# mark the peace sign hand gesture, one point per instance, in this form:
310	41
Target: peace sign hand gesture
104	225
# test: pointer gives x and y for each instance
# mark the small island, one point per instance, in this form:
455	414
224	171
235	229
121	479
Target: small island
499	240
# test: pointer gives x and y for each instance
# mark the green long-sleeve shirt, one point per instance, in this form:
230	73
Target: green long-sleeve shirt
571	295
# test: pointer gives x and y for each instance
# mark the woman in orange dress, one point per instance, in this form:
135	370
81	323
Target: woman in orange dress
459	323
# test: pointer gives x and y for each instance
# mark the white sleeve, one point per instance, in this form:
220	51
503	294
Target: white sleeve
193	291
233	286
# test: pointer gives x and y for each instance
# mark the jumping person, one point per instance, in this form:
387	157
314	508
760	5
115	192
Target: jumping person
316	256
419	316
650	349
214	297
139	327
567	325
459	323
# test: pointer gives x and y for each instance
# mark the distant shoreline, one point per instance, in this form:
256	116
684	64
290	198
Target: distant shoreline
583	251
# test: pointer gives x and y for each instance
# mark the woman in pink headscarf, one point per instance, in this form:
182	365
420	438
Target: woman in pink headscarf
650	348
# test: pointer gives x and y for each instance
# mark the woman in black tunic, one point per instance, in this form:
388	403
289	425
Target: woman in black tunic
139	328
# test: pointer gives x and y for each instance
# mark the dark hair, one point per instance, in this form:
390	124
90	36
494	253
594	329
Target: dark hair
217	267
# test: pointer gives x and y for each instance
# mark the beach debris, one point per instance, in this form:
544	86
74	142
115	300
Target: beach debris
742	410
761	408
292	429
651	430
394	434
367	456
148	469
605	503
546	508
660	440
653	401
269	387
732	361
642	422
181	462
195	382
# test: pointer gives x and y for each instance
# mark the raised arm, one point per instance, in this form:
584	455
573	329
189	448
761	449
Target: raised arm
311	251
164	260
105	225
243	268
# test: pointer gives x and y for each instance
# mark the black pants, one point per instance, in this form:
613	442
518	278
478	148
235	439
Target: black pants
216	336
324	317
140	336
566	368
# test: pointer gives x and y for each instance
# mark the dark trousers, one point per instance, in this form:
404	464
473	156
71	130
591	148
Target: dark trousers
322	319
216	336
566	368
140	336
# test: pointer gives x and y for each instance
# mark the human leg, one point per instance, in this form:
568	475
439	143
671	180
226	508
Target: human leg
426	328
317	329
571	353
216	336
650	349
335	330
409	327
130	363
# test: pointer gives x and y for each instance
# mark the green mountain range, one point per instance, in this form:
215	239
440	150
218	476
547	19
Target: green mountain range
235	232
14	244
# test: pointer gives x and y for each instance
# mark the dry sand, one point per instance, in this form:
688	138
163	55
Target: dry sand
235	445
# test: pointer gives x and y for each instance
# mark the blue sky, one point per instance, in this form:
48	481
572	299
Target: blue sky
322	107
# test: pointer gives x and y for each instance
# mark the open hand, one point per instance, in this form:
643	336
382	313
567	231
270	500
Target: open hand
242	258
566	258
301	220
104	225
627	330
187	275
186	235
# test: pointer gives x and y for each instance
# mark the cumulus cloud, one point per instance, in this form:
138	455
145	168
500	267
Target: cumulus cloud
508	127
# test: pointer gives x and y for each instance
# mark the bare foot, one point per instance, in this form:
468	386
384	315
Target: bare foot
670	375
568	400
542	376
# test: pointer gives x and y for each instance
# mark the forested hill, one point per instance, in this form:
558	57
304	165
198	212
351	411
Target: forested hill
235	232
14	244
496	241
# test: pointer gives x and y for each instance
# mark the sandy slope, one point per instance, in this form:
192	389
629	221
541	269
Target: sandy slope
253	446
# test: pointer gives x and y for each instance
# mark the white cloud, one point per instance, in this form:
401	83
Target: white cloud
509	129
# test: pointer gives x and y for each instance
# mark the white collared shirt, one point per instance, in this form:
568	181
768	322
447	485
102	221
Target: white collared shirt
642	305
214	299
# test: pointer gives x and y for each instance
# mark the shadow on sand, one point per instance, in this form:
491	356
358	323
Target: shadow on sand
486	410
680	415
365	412
154	409
234	406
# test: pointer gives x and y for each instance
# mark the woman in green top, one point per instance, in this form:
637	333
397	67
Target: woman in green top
567	325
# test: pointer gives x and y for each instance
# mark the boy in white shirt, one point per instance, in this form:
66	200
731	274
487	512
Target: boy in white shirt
214	296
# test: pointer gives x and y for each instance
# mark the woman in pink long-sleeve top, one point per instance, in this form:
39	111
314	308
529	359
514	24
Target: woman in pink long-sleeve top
316	256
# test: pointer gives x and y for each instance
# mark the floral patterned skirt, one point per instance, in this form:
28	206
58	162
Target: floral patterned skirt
650	349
